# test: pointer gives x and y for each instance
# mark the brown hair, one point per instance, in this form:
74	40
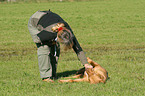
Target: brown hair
65	37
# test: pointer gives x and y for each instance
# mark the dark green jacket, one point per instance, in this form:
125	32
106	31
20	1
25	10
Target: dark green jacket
47	37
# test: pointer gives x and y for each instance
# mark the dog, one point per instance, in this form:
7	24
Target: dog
94	75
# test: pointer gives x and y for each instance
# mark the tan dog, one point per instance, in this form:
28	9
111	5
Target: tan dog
93	75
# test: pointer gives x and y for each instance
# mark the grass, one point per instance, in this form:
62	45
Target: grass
111	32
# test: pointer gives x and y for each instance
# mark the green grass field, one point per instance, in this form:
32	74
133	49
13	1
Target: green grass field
111	32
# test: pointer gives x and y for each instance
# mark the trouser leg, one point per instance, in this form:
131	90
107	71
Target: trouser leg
55	51
54	65
47	60
44	62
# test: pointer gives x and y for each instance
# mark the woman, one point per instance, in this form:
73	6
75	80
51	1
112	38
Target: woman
48	30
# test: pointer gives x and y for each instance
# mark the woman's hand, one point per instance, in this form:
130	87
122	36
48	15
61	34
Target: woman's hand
88	66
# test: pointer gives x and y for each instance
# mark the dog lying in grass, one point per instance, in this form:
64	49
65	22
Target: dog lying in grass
94	75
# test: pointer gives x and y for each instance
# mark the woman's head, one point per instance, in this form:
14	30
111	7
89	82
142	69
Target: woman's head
65	37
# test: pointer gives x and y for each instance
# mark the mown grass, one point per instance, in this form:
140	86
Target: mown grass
111	32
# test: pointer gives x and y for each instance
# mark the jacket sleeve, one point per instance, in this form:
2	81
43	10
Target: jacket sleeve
78	50
76	47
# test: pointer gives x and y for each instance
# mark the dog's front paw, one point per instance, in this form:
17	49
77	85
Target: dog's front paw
89	60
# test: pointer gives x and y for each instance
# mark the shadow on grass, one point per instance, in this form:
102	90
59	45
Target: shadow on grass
66	73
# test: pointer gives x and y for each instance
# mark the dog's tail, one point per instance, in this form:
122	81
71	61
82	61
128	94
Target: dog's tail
92	62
